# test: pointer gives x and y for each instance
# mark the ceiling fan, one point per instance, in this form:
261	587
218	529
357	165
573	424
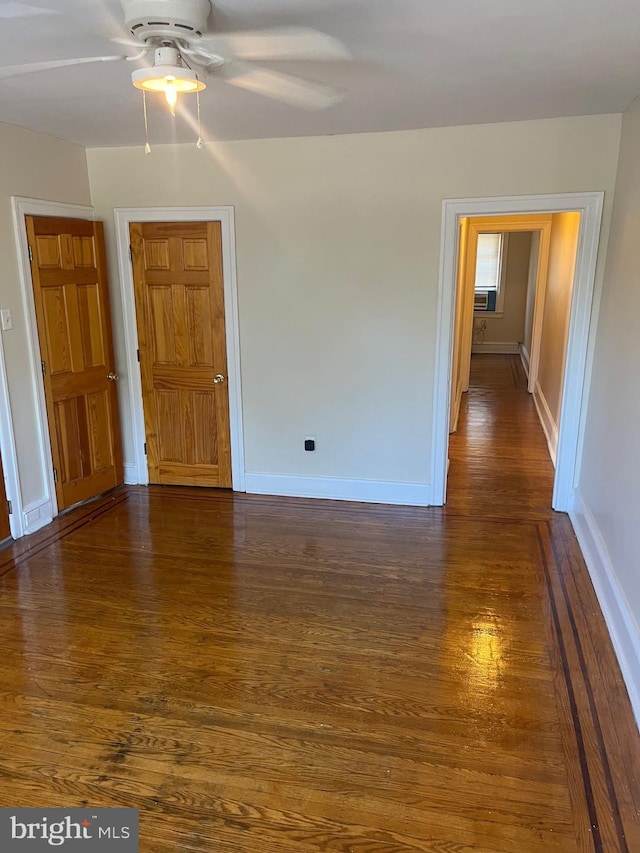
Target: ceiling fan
184	52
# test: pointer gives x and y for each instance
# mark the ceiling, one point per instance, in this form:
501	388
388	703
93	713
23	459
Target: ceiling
415	64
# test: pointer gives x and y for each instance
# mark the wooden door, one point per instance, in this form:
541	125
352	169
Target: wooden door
5	529
68	268
177	269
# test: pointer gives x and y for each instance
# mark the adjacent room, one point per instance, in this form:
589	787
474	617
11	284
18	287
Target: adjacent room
318	423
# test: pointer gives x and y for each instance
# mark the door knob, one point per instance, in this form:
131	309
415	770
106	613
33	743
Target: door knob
218	378
112	377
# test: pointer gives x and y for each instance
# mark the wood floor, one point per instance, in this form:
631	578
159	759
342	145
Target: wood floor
271	675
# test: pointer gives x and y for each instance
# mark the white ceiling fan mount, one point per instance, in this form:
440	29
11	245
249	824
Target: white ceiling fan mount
183	20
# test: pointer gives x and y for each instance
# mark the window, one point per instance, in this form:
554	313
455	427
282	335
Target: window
489	290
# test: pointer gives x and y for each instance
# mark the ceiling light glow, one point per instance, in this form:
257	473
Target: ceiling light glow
169	76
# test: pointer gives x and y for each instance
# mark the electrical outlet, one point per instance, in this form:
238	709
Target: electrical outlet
309	443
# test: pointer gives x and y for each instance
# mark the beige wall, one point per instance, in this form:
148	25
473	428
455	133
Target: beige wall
557	307
611	460
34	166
510	327
338	253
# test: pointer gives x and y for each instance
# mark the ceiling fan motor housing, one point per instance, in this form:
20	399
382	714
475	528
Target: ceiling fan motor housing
171	19
169	56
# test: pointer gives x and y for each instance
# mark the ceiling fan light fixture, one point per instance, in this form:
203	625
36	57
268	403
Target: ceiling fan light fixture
168	76
180	80
170	80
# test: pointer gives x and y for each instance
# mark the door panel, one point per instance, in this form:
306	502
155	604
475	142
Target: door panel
68	270
179	292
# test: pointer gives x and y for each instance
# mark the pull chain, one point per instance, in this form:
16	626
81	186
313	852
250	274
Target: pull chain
147	147
199	143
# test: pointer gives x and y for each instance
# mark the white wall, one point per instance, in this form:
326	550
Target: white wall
338	242
34	166
608	510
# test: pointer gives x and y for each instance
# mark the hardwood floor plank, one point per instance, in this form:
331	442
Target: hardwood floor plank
274	675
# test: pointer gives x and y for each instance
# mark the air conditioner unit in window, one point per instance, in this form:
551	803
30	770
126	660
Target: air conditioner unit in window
480	301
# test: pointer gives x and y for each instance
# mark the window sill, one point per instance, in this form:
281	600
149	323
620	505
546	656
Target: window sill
491	314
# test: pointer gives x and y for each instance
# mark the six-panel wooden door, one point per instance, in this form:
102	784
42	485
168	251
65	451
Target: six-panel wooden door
177	268
68	269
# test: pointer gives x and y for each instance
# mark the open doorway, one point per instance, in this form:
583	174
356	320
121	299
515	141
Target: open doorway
569	392
515	282
485	263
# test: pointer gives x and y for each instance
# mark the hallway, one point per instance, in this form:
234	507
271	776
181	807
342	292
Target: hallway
500	464
276	675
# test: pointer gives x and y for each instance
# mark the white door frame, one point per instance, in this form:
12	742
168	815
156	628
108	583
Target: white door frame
8	452
575	378
137	472
45	507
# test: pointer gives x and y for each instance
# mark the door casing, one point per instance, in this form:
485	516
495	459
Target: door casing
135	470
581	329
8	452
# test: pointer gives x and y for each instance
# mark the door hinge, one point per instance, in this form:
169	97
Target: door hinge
55	475
30	253
138	354
44	367
130	253
145	448
10	505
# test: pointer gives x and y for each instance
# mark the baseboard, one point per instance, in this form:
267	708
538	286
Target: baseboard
368	491
37	514
524	358
130	474
623	629
549	426
496	347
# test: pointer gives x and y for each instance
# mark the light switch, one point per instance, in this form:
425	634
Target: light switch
7	319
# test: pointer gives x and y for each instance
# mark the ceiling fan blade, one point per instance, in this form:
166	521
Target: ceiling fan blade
281	87
30	67
280	43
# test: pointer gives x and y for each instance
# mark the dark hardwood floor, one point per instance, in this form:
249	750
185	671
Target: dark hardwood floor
270	675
